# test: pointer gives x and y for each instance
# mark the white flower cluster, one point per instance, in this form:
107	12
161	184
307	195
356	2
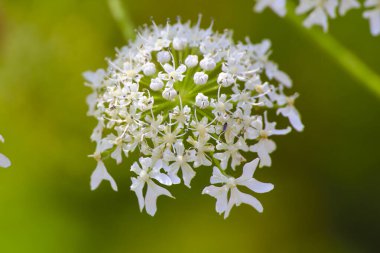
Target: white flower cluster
184	98
319	11
4	161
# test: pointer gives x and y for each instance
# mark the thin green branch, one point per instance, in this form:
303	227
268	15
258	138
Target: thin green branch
344	57
122	17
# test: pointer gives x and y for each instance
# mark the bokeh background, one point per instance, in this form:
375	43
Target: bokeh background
327	186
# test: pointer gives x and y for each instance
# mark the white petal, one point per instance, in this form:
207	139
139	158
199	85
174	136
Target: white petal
220	194
252	133
91	101
162	178
250	200
305	6
103	145
153	192
283	78
238	197
374	20
330	6
249	169
100	174
263	148
97	133
278	6
174	178
1	138
257	186
137	186
317	17
168	68
234	200
296	122
179	148
116	154
293	115
223	157
187	174
370	3
281	131
346	5
146	162
181	68
217	177
4	161
136	168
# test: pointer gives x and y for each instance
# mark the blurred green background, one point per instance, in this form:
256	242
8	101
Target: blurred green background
327	187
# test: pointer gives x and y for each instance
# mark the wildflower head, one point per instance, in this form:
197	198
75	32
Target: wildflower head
184	98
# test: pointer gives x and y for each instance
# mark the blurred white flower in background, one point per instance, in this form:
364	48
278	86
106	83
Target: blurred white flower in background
319	11
373	15
4	161
180	98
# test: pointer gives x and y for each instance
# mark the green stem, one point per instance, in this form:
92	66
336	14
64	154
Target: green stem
344	57
122	17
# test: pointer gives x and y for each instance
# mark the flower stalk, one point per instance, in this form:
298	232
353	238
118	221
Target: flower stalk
122	17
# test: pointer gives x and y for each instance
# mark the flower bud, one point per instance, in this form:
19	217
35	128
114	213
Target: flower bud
149	69
202	101
207	64
163	57
169	93
200	78
156	84
191	61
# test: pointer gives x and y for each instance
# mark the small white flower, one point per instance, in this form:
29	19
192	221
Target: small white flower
181	116
201	147
207	64
163	57
225	204
149	69
146	173
181	159
191	61
200	78
231	150
320	11
202	128
290	111
265	146
202	101
4	161
172	74
222	105
278	6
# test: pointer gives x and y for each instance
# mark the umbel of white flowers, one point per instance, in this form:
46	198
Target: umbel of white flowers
319	11
184	98
4	161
